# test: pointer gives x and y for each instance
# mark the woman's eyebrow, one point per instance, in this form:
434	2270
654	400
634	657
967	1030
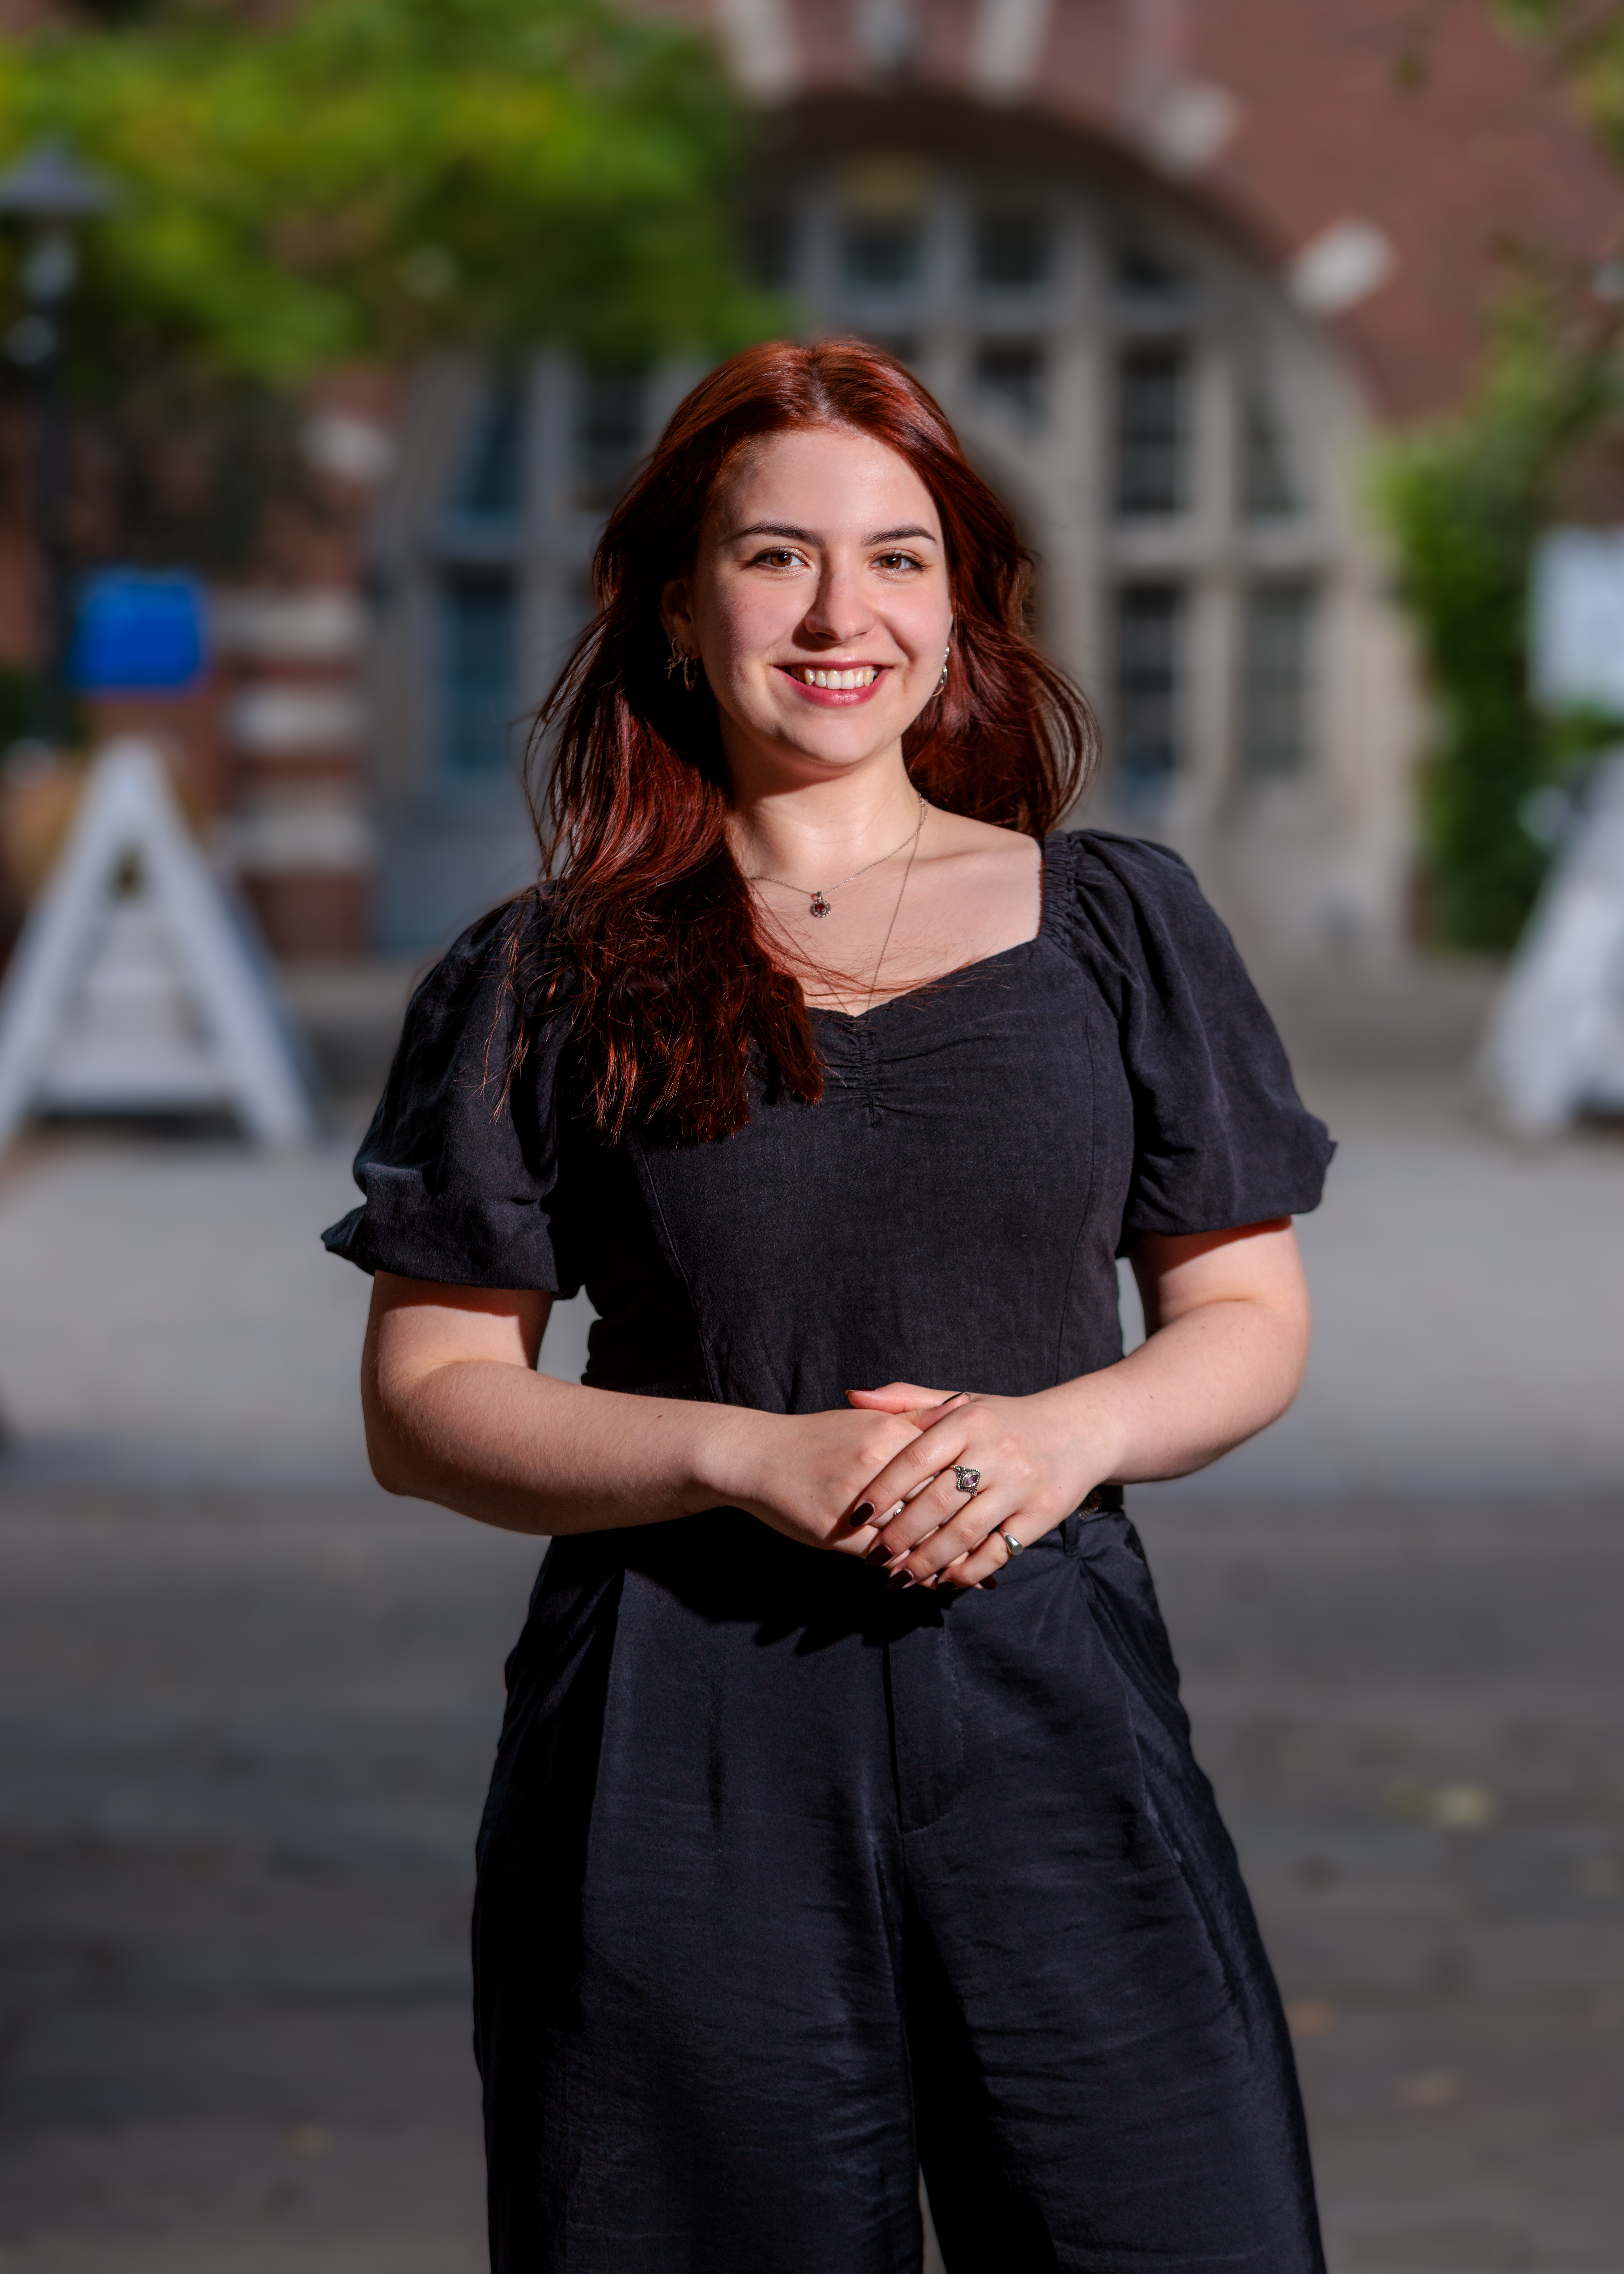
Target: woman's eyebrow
811	537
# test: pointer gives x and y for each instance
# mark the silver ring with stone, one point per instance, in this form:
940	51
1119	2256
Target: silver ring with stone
1014	1545
968	1480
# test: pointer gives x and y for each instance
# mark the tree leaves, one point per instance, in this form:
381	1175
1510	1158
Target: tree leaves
1466	500
371	177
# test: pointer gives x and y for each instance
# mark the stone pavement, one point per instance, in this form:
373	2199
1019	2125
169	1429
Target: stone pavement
247	1703
245	1740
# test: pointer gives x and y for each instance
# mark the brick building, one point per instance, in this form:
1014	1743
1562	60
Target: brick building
1170	267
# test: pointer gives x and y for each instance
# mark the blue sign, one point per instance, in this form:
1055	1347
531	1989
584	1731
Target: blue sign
138	632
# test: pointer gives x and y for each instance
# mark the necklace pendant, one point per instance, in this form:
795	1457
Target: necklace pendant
820	904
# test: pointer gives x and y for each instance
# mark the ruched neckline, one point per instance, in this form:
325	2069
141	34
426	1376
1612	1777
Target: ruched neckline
1113	1075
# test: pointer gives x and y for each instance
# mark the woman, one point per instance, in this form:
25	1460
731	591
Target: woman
844	1818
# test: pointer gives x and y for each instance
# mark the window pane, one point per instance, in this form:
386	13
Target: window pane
1010	374
1146	277
492	487
1268	491
479	629
1150	622
881	252
1153	431
1277	692
608	439
1013	248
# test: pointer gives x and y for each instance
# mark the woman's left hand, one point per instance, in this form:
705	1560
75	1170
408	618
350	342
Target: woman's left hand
1036	1466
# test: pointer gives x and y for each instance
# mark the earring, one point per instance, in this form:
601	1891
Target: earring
679	659
946	654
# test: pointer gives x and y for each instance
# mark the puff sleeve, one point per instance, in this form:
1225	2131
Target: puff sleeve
1221	1136
461	1186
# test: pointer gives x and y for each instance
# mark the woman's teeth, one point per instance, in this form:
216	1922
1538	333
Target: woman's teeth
864	676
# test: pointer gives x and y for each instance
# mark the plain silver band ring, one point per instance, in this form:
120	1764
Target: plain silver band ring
1014	1545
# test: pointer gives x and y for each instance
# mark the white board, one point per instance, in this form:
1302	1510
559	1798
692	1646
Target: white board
1555	1044
134	987
1576	618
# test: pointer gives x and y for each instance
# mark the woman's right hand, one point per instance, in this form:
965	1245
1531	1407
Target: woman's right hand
804	1473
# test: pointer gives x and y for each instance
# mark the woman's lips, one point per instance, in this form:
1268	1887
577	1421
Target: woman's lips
843	685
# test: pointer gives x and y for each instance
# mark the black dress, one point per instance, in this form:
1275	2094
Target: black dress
789	1884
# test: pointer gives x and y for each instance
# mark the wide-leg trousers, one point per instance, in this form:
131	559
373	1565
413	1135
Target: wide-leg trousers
789	1885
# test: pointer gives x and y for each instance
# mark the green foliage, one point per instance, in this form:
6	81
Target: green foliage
367	177
1466	501
347	180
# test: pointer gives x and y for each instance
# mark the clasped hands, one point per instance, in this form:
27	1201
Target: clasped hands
879	1482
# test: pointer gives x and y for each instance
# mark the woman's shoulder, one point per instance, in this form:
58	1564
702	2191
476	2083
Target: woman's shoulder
494	941
465	1016
1138	865
462	1149
494	963
1222	1137
1129	897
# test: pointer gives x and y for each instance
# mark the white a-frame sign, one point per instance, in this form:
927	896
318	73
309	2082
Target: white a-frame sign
133	987
1556	1042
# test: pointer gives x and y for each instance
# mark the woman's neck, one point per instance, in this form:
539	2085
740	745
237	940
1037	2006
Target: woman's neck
813	834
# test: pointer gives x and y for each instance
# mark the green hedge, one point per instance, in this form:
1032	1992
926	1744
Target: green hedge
1465	502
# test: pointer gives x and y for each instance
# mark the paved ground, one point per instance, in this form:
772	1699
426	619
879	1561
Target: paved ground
247	1705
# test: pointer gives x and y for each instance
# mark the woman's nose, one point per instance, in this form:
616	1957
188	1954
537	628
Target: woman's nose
838	610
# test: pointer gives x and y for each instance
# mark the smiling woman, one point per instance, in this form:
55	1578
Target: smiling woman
833	1833
725	552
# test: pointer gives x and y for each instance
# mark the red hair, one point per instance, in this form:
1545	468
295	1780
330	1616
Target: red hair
653	934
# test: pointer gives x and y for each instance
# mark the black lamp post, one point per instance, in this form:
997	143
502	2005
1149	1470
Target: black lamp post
50	191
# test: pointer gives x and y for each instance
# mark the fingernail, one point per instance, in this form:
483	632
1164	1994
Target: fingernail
861	1514
990	1584
902	1579
878	1554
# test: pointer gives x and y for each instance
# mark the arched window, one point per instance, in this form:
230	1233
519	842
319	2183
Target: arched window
1182	451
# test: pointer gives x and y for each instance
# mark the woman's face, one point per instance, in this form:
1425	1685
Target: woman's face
819	603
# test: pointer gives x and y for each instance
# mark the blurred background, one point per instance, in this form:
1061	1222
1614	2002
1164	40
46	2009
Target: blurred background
1290	330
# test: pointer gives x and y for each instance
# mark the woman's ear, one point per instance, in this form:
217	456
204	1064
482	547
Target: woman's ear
675	617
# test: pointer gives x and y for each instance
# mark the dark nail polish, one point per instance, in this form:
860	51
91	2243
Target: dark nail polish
880	1554
902	1579
990	1584
861	1514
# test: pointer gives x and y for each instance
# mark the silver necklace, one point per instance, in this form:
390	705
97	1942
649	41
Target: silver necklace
821	901
896	911
912	845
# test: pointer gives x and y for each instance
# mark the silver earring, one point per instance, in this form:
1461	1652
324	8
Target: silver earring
946	653
679	659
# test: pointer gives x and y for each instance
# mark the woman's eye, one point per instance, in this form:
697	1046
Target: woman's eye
897	561
780	557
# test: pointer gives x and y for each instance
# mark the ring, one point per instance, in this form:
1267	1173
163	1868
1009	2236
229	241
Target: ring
968	1480
1014	1545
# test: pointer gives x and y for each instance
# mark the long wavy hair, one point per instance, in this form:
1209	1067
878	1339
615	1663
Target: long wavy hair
674	996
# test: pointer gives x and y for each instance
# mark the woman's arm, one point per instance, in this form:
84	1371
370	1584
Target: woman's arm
455	1412
1226	1317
